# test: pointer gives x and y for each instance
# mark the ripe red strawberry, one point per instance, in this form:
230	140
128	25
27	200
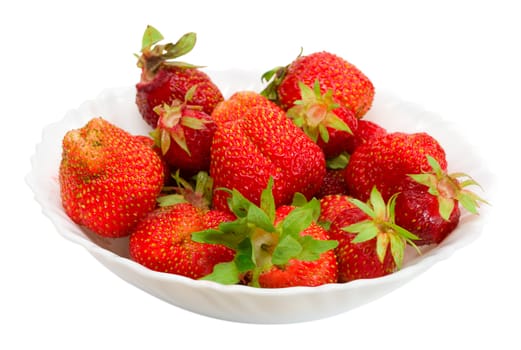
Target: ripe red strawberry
418	211
275	248
298	272
365	132
386	160
163	80
323	120
351	88
238	105
370	244
333	205
428	203
162	241
258	143
109	179
149	142
184	133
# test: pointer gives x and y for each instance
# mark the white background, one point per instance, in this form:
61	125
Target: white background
458	59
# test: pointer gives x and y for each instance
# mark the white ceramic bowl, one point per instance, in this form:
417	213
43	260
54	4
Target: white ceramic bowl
242	303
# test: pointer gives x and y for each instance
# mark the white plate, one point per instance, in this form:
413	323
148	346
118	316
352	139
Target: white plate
242	303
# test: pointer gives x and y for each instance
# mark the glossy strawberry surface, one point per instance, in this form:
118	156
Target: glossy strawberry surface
171	83
418	211
162	241
366	131
357	260
184	134
258	143
385	161
351	87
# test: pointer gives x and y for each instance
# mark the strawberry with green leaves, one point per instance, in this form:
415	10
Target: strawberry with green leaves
161	241
109	179
428	203
255	141
323	120
274	247
385	161
184	134
370	243
351	87
163	79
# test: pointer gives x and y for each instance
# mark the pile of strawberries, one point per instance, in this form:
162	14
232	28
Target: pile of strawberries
287	187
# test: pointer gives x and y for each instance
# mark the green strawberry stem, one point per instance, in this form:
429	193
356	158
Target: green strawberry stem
259	243
154	55
381	225
276	75
450	189
274	78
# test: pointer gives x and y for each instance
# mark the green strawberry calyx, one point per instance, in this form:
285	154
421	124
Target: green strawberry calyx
197	191
449	189
381	225
276	75
259	243
154	55
314	113
171	123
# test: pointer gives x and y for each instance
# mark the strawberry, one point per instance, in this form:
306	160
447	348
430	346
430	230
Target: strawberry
428	203
109	179
323	120
184	133
275	247
161	240
149	142
418	211
257	143
299	271
163	80
370	244
366	131
237	106
385	161
332	205
351	88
